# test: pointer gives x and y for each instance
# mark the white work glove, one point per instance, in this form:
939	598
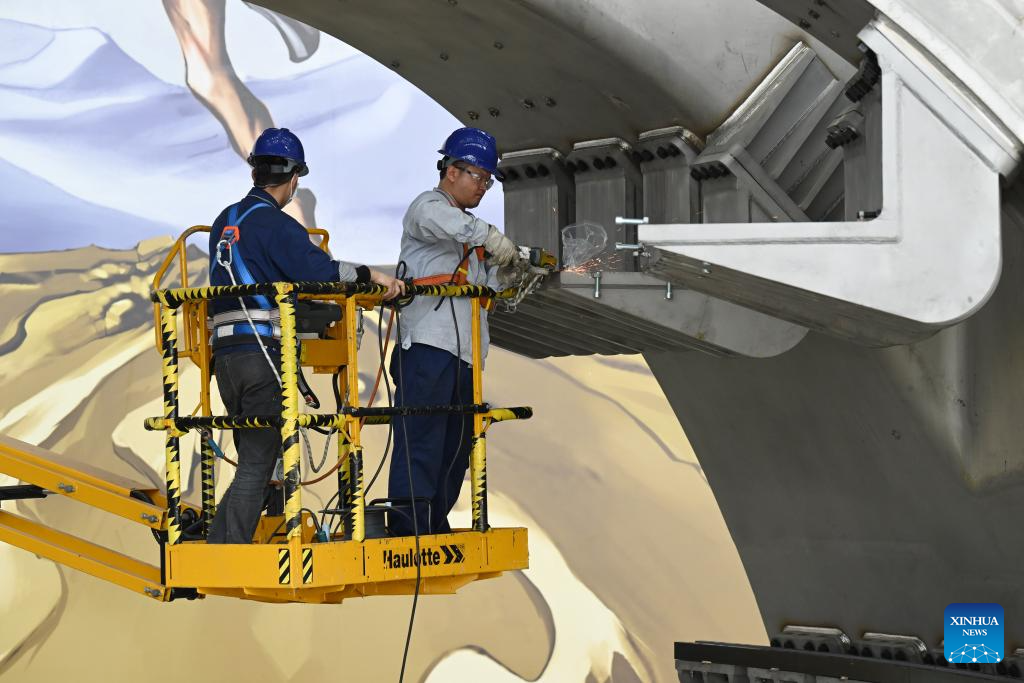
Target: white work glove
502	250
509	276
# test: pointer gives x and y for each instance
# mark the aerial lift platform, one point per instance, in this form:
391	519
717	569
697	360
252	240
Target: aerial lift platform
292	558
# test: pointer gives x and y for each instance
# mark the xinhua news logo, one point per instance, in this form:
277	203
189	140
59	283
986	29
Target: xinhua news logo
974	633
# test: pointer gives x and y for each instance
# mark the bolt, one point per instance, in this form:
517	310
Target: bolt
152	592
494	111
528	104
597	284
66	488
705	268
668	291
473	116
803	23
444	56
550	101
814	15
395	64
498	44
152	519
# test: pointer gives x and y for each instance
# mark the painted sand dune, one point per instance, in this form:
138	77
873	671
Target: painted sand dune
629	550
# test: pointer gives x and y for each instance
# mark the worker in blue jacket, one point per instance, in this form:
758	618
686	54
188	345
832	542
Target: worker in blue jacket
254	241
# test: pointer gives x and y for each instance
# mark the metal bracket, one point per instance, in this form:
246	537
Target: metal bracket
919	269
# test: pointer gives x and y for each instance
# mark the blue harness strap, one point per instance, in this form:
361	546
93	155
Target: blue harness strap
264	329
238	261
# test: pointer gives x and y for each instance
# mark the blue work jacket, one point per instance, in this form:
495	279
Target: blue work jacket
272	247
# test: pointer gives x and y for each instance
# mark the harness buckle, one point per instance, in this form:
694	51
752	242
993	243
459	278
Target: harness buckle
230	235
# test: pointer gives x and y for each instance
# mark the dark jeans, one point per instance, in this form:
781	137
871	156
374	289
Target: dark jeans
439	445
248	387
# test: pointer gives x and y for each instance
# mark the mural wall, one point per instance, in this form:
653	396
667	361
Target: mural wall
123	123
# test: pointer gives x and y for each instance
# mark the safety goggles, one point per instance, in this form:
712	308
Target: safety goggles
479	178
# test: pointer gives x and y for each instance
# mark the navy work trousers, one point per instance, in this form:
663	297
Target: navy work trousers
248	387
438	445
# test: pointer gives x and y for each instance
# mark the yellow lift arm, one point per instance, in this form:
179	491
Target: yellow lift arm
43	475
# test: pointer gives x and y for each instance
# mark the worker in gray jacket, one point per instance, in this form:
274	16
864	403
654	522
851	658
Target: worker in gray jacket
443	242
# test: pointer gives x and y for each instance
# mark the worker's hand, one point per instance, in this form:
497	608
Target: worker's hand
509	276
502	250
395	286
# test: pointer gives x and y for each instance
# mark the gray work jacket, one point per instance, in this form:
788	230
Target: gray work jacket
433	236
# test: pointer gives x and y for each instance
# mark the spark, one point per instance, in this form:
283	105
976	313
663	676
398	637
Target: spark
602	262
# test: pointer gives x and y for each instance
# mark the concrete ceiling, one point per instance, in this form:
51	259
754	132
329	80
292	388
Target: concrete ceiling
554	72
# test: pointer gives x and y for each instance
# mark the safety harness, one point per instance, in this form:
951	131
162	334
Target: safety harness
461	275
239	326
243	326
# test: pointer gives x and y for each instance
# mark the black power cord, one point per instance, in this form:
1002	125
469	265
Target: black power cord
334	527
402	267
400	271
458	381
387	387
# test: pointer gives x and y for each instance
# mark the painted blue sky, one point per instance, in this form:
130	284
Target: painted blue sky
102	143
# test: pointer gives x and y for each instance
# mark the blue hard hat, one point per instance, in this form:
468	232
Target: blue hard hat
474	146
280	142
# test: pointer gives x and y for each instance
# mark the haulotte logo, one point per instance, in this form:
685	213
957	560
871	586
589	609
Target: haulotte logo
973	633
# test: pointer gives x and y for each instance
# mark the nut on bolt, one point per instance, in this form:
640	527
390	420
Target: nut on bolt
152	519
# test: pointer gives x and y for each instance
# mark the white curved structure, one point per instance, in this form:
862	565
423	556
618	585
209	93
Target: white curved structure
851	477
